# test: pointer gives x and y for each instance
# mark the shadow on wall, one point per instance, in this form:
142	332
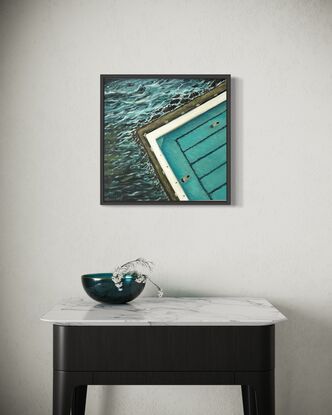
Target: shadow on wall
237	141
295	363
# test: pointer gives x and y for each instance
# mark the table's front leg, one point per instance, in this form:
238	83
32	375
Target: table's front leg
79	400
258	393
248	400
69	395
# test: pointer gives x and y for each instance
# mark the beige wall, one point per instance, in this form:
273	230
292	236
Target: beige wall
275	241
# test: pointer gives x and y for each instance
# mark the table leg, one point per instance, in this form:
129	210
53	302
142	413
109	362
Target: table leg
264	389
69	396
79	400
62	393
249	400
257	392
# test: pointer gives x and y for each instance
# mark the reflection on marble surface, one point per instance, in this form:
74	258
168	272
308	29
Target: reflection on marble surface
171	311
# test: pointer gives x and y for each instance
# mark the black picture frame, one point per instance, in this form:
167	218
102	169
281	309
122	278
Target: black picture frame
227	78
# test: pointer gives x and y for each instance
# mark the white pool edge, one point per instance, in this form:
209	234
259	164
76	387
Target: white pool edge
153	136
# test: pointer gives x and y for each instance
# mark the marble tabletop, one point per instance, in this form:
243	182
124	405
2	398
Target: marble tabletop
167	311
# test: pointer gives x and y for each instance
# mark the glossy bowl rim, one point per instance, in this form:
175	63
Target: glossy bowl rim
95	277
99	275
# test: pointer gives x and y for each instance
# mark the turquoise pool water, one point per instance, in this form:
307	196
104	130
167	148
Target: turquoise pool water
197	154
128	105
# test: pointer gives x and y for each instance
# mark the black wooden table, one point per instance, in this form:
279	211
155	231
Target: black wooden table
132	354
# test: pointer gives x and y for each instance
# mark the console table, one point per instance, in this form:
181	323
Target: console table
167	341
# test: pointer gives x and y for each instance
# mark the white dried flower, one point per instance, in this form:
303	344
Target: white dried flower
141	267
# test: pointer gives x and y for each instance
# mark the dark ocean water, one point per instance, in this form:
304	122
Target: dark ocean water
130	104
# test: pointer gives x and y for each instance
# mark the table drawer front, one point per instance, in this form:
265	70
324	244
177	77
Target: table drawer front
163	348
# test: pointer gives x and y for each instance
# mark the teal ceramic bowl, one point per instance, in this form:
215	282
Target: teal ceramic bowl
101	288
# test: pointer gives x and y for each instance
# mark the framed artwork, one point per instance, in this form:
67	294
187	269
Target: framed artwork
165	139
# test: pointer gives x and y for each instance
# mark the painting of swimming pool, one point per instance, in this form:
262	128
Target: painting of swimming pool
165	139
